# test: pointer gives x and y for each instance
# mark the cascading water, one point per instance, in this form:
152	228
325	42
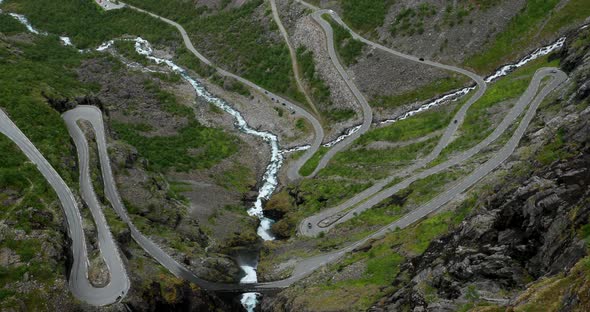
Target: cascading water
346	133
503	71
247	262
66	41
270	181
506	69
23	20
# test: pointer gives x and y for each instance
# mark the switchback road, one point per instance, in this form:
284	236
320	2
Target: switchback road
79	284
328	218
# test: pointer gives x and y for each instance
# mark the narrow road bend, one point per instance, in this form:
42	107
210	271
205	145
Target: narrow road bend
79	284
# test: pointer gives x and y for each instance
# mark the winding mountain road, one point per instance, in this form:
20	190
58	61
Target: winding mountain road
119	282
329	218
80	286
93	115
306	266
366	109
294	168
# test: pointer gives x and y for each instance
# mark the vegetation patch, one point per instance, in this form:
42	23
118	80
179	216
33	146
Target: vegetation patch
317	194
195	146
127	50
365	15
382	260
538	20
455	16
319	89
167	101
363	163
348	48
10	26
313	162
551	293
92	25
411	20
341	114
554	150
407	129
237	38
27	204
391	209
239	178
40	70
477	124
230	84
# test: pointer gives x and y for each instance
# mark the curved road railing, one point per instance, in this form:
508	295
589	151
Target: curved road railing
365	108
442	143
93	115
367	111
293	170
306	266
317	16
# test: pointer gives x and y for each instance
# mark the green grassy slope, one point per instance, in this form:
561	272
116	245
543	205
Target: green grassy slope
237	39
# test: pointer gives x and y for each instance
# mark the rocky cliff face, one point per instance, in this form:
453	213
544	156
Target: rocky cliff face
522	234
534	224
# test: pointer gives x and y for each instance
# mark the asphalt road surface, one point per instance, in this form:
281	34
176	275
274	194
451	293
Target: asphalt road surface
367	112
333	214
307	266
78	281
328	218
365	108
93	115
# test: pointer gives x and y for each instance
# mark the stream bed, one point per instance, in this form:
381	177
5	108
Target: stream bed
249	260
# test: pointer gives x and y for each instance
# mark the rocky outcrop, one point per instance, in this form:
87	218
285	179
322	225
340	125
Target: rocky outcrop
64	104
181	296
521	235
